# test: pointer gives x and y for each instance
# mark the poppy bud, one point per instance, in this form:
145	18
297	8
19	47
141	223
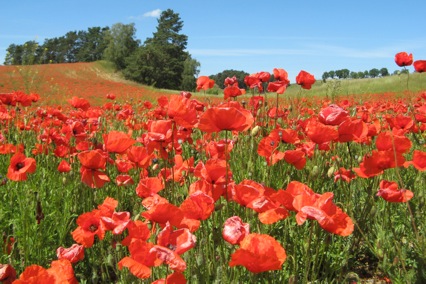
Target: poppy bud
330	172
255	130
315	171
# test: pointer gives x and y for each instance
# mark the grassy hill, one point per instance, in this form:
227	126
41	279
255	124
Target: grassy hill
59	82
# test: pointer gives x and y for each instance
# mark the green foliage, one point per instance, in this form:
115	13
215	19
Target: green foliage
189	74
160	61
219	78
74	46
121	43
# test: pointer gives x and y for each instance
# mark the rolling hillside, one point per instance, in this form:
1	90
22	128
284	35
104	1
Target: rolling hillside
56	83
59	82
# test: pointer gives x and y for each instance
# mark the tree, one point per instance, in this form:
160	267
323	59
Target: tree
93	44
121	44
13	55
219	78
160	61
353	75
384	72
191	69
170	48
374	73
325	75
332	74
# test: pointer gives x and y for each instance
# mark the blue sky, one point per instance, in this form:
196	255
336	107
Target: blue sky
251	36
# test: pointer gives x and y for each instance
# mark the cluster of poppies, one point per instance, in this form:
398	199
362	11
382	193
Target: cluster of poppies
175	122
403	59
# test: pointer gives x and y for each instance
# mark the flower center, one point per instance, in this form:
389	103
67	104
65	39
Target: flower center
19	166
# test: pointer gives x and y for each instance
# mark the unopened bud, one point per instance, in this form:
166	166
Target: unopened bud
255	130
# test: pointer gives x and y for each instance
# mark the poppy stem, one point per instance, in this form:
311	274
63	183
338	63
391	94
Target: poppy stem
226	164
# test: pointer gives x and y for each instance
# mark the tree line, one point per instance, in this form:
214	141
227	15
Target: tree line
346	74
75	46
161	61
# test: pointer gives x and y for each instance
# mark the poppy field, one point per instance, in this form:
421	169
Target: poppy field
253	186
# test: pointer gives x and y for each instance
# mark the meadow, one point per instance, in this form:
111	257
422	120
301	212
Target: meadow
107	181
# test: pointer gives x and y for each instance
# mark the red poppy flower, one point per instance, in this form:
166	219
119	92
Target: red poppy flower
419	160
123	180
198	206
64	167
139	155
216	119
420	66
20	166
320	133
168	256
263	76
268	148
344	174
35	274
305	79
231	81
80	103
137	230
259	253
110	96
117	142
400	122
117	223
234	230
271	216
253	81
91	161
182	111
161	211
204	83
389	191
141	259
7	273
179	241
149	186
73	254
403	59
375	163
8	99
297	158
232	92
332	115
89	226
353	130
277	86
174	278
280	75
389	141
62	271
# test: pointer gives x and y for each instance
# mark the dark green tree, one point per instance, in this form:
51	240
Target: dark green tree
219	78
13	55
166	50
384	72
121	43
191	69
373	73
325	75
332	74
92	44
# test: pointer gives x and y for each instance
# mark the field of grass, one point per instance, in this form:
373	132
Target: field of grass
152	186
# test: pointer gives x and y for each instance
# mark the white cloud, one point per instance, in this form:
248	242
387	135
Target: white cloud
151	14
154	13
